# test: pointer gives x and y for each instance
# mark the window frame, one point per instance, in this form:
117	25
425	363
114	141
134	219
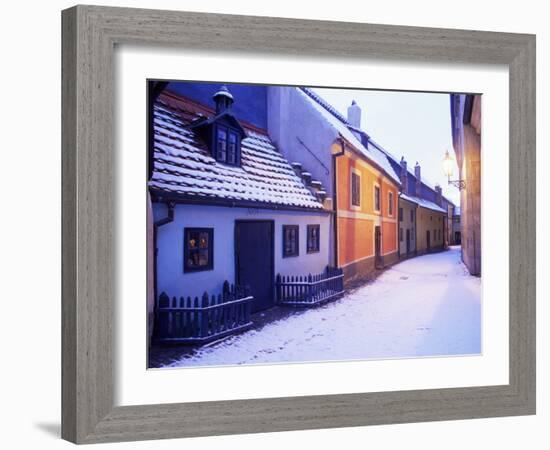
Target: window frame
296	251
355	194
229	131
186	249
376	188
390	203
310	228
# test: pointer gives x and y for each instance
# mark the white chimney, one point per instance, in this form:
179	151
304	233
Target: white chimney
354	115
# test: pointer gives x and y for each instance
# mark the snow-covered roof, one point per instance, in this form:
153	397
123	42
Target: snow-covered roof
183	165
423	203
344	128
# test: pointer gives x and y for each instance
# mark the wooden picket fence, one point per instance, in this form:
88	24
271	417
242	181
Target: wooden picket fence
201	320
310	290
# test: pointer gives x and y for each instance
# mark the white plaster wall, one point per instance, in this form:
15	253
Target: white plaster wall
290	116
170	275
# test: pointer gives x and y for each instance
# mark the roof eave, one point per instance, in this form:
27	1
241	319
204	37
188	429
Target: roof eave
161	196
371	161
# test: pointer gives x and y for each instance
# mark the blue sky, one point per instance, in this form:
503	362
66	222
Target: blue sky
416	125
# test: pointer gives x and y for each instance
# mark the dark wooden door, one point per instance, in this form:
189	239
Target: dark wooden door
377	246
254	261
428	240
408	241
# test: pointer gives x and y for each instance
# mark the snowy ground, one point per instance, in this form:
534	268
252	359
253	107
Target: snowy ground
425	306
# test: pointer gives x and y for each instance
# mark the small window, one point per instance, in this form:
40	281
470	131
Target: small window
313	238
355	189
198	249
226	145
291	240
400	234
400	214
377	198
412	217
390	203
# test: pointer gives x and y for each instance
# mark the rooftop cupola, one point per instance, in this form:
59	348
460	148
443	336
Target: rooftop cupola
354	114
223	99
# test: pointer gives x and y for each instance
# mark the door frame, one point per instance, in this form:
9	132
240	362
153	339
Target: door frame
378	259
235	261
428	241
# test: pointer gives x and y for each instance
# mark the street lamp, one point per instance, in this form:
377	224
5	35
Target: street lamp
448	164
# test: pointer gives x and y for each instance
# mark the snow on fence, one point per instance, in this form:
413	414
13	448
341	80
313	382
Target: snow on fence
201	320
310	290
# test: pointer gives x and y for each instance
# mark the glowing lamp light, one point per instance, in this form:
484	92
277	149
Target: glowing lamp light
448	165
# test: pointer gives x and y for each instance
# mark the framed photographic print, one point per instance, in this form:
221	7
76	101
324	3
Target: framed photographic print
268	230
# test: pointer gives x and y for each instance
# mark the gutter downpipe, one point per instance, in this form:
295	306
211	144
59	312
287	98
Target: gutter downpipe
335	196
169	218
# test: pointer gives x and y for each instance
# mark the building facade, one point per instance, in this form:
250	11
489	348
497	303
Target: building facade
425	214
362	187
227	205
466	128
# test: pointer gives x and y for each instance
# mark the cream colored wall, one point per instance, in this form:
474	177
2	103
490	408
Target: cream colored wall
429	220
406	224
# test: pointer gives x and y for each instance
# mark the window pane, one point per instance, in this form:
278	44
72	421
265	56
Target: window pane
232	149
290	240
221	144
313	238
203	240
355	189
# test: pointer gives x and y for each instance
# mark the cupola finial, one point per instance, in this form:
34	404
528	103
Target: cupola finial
223	99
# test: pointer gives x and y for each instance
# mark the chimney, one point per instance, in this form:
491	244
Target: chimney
354	115
297	168
404	177
418	179
223	100
439	192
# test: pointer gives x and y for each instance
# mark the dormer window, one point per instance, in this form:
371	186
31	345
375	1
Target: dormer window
226	145
223	132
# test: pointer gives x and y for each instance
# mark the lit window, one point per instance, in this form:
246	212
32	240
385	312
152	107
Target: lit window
198	249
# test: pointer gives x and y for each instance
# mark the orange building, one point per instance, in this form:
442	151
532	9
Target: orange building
366	213
361	186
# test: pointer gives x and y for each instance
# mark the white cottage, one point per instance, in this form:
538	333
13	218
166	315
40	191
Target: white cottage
227	205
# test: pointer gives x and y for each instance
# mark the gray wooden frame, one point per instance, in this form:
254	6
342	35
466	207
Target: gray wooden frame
89	36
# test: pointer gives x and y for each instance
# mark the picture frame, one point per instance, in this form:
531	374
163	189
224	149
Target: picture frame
89	36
